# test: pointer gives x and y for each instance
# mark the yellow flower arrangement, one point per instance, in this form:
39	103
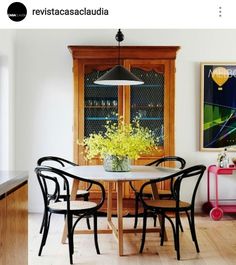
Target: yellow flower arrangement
120	140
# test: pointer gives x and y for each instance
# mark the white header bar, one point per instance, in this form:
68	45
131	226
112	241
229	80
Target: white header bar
122	14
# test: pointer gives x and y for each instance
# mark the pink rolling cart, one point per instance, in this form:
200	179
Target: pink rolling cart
217	207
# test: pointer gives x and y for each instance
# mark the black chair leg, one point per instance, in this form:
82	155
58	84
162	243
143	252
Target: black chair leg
180	225
162	229
88	223
42	224
155	220
96	233
70	237
173	229
45	231
87	218
144	230
177	218
190	225
194	231
136	210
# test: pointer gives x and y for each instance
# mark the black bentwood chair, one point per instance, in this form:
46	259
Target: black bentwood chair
175	205
55	161
49	178
167	194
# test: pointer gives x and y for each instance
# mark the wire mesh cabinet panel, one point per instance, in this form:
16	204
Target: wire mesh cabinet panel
147	101
153	102
100	102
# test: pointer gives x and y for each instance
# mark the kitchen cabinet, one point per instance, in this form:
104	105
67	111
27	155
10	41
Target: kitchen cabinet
14	225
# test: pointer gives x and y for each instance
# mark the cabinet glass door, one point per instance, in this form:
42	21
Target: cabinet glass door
147	100
101	102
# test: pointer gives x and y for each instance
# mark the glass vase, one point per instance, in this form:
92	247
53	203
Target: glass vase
116	164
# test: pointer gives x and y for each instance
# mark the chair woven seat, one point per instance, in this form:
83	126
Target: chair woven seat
167	204
74	205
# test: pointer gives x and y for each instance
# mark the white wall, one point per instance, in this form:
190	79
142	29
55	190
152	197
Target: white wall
44	95
7	99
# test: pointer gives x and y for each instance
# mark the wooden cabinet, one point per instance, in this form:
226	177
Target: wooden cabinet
14	226
153	102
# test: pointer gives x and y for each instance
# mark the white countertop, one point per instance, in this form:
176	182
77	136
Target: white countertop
136	173
11	179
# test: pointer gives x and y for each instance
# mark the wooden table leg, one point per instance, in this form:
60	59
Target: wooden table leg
75	187
109	201
155	191
156	197
120	216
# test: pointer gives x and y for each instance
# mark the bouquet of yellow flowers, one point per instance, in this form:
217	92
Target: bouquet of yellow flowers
120	140
119	143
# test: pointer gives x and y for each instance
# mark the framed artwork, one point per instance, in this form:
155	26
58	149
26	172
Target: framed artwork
218	106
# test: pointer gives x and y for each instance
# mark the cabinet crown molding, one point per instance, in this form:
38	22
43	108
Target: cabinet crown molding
126	52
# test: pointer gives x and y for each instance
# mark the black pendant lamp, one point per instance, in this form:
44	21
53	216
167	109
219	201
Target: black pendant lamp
118	75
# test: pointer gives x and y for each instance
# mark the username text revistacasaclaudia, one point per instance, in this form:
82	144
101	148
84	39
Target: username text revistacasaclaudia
71	12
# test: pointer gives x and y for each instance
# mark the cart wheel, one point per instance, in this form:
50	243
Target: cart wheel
206	207
216	214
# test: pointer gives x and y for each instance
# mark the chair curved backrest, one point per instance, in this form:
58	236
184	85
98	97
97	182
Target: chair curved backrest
194	171
61	161
50	176
53	161
159	161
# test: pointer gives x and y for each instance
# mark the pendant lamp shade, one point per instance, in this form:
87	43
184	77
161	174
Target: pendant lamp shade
118	76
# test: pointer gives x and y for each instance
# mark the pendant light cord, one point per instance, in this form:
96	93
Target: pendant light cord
119	54
119	37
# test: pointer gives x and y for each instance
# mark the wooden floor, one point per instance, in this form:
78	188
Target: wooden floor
217	241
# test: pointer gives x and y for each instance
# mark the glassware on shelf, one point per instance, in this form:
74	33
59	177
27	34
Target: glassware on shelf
113	115
96	102
103	102
114	102
89	102
150	105
142	114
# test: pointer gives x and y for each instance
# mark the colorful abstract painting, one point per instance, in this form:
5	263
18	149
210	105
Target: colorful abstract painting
218	111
